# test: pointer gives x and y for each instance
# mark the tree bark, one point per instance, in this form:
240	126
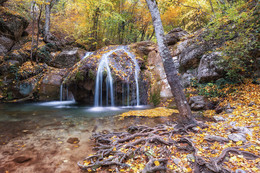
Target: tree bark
185	116
38	32
47	19
33	23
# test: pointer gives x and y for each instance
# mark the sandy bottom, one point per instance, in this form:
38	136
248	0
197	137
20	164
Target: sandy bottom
39	145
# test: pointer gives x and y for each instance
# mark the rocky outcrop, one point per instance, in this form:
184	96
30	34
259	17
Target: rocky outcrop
174	36
209	68
67	58
81	80
12	25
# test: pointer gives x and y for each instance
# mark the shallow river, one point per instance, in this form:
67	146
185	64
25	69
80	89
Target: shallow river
33	137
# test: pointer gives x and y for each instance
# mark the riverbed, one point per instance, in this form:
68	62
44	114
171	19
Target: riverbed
34	137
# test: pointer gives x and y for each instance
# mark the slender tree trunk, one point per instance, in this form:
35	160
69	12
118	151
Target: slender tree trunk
185	115
38	32
33	23
47	19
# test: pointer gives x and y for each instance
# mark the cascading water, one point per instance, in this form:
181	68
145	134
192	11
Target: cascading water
61	91
104	67
99	79
87	54
136	74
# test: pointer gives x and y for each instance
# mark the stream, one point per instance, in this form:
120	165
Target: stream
34	137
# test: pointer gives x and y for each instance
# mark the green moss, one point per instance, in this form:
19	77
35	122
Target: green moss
79	76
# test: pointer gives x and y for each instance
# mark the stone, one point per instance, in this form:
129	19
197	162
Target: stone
243	130
197	103
213	138
73	140
176	161
22	159
190	57
50	84
209	69
228	111
174	36
143	47
26	87
66	58
186	79
235	137
190	157
219	118
12	25
5	45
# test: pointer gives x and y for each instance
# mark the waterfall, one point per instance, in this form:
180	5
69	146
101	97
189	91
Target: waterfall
61	91
136	75
99	79
104	67
87	55
128	91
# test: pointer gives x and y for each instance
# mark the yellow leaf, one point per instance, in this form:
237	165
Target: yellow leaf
157	163
239	142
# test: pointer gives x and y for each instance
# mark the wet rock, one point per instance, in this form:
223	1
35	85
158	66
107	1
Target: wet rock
197	103
209	70
50	84
235	137
22	159
219	118
27	86
73	140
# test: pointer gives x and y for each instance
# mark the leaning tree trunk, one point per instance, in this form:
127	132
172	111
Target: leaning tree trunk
185	116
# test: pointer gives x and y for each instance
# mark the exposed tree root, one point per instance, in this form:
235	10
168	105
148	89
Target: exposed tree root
114	150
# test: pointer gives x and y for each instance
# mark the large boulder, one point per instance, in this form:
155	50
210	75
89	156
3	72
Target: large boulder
81	80
174	36
26	87
11	24
5	45
209	68
190	57
191	50
67	58
49	88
